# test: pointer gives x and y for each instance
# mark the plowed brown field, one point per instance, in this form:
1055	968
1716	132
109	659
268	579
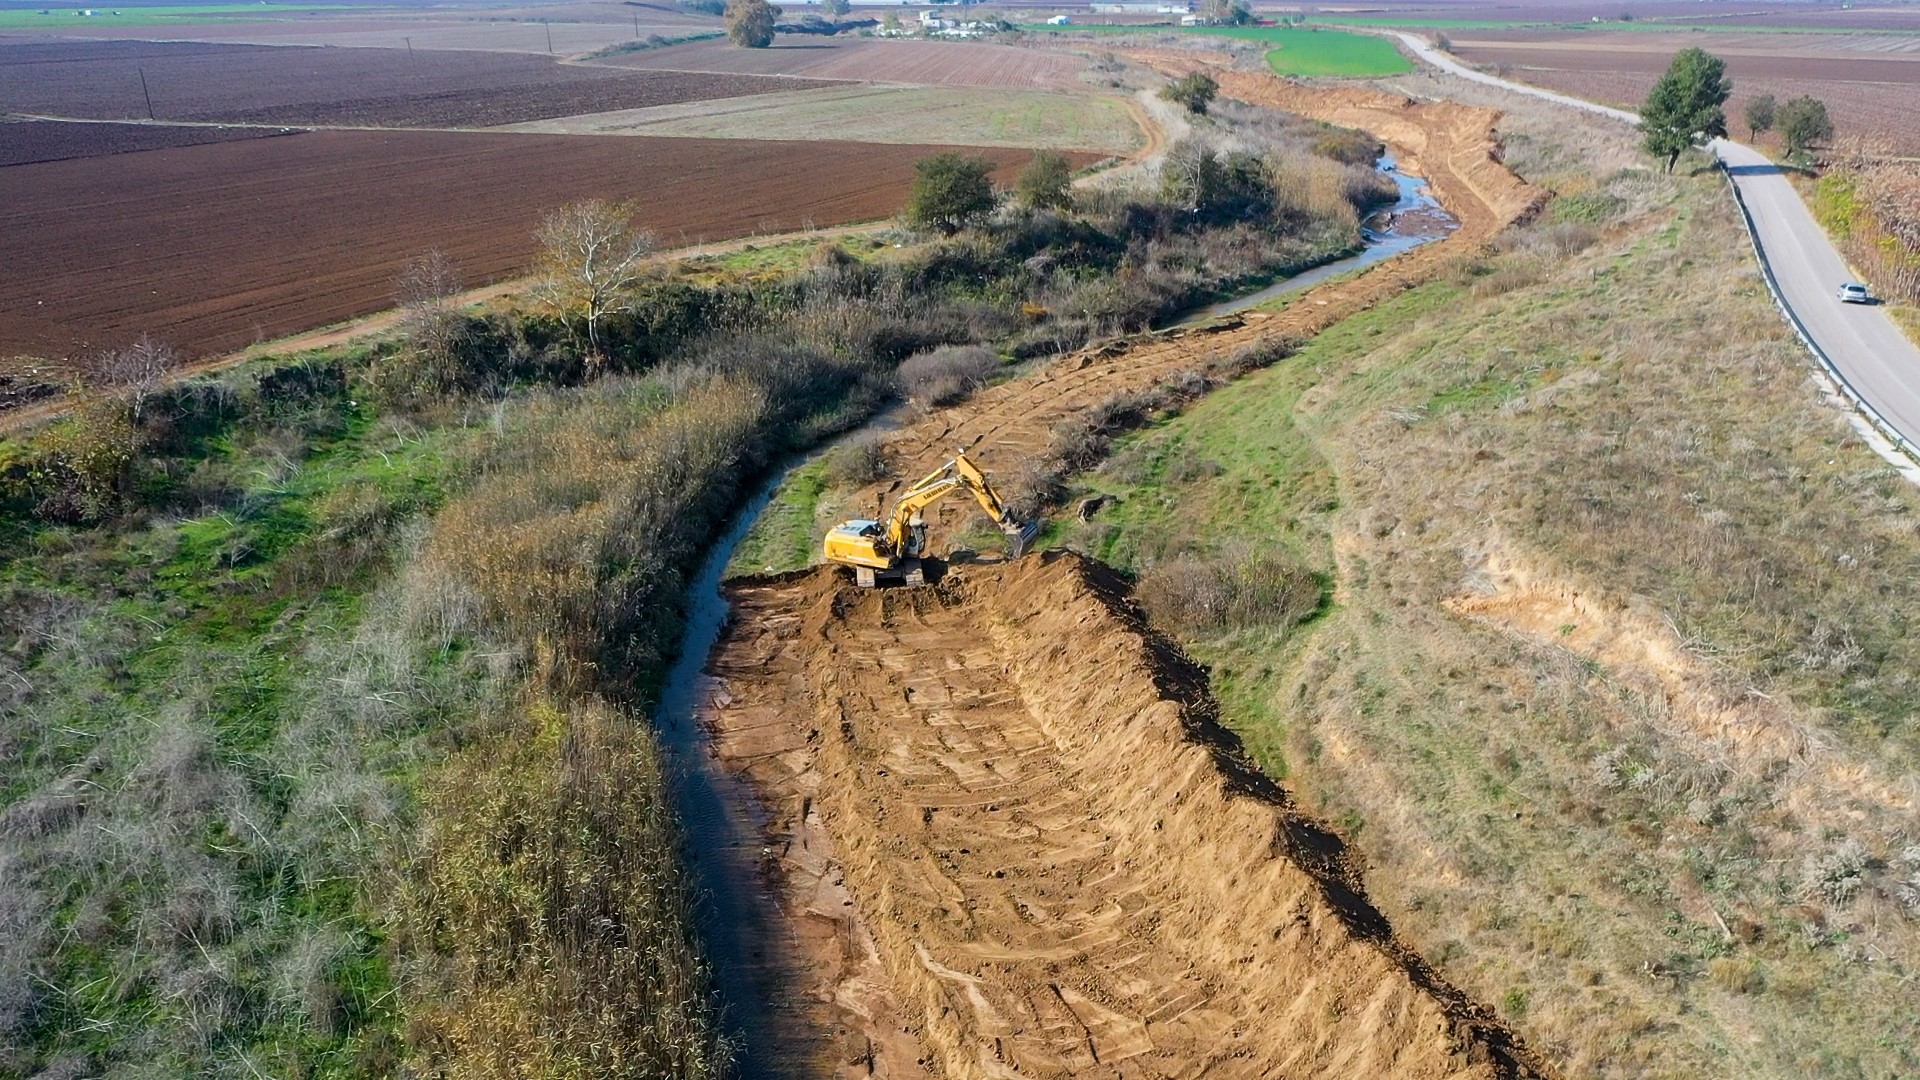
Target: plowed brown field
1013	804
931	63
215	247
1870	85
28	142
255	84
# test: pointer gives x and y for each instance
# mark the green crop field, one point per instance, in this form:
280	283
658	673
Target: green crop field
1646	25
64	16
1306	51
1297	50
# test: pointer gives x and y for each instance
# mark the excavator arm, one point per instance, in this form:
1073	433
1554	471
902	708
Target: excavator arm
955	474
893	546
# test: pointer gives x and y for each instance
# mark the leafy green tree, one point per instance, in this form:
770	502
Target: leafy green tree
950	192
1225	12
1803	122
836	8
1196	91
1759	115
1046	183
1686	105
750	23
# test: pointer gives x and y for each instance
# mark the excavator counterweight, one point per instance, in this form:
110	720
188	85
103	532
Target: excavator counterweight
894	547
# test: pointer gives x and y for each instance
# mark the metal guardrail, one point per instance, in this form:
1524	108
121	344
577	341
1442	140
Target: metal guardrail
1832	371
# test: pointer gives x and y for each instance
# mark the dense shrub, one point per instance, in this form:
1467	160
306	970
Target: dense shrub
859	461
1348	147
946	375
1254	589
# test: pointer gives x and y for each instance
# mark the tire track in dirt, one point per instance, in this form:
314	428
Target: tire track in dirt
1039	852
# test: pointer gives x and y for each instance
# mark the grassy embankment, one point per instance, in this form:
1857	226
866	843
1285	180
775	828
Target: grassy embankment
1644	788
324	683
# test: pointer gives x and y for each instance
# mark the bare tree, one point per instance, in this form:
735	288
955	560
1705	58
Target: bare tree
425	289
133	372
591	259
428	280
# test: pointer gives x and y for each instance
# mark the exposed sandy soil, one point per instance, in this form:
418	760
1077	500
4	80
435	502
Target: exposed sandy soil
932	63
27	142
1066	865
1038	852
214	247
254	84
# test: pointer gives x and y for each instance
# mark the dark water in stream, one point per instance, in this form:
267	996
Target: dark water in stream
1413	219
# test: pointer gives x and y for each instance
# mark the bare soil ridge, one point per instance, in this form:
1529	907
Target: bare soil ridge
1067	866
1013	837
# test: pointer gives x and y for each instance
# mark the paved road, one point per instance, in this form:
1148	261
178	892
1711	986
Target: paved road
1876	361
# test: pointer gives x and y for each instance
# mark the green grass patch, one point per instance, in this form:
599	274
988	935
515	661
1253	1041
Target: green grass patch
1604	24
782	538
198	638
1296	50
66	16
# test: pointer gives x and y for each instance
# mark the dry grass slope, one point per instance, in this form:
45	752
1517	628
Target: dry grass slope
1615	687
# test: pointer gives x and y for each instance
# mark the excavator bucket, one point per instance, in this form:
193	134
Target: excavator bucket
1019	536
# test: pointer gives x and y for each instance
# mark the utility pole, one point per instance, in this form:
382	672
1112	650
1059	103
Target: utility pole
145	94
636	26
409	42
549	27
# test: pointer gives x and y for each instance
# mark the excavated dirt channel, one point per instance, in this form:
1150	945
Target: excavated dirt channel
1011	808
993	828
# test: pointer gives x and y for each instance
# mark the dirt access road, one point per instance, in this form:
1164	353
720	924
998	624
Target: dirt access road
1009	835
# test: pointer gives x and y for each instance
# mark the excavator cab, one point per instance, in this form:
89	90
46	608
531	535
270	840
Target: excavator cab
894	547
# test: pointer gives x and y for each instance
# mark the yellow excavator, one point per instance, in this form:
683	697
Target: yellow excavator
894	548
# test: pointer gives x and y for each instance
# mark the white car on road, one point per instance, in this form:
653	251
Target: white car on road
1854	293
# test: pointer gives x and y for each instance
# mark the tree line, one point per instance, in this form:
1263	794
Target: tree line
1687	107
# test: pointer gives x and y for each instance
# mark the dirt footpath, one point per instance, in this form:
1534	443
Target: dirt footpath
1012	837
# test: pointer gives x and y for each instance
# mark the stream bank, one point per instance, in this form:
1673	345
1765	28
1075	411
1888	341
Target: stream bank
758	950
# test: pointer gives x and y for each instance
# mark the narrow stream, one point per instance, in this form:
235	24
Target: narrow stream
1414	218
738	917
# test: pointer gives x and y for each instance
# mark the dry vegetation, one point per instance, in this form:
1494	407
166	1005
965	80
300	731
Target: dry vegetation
1873	208
1615	685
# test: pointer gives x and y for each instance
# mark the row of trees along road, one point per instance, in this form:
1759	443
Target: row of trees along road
1688	106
